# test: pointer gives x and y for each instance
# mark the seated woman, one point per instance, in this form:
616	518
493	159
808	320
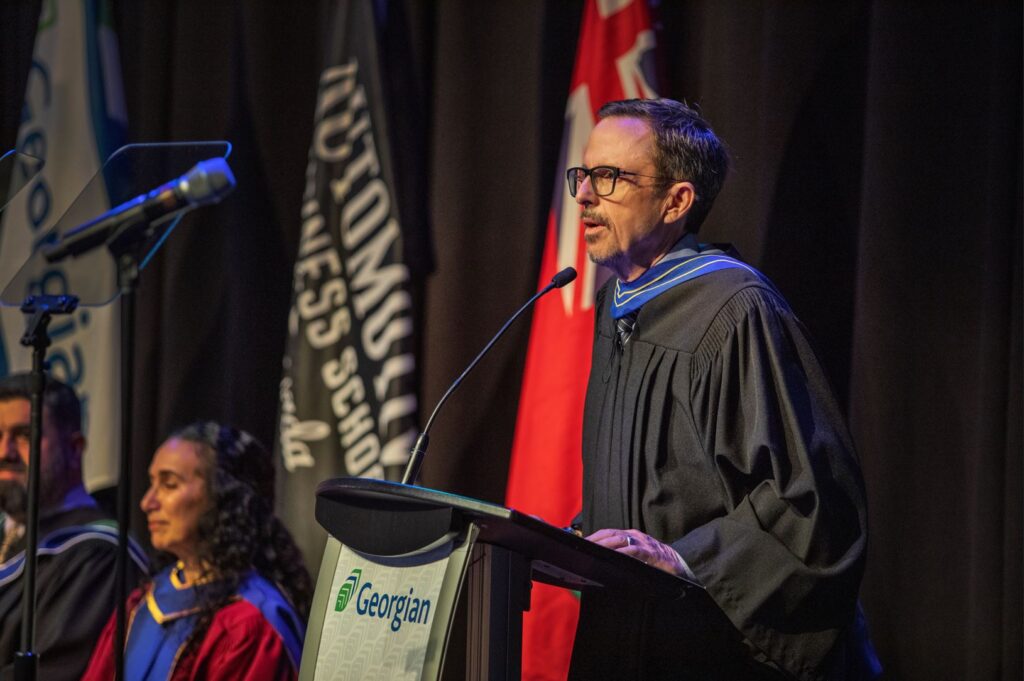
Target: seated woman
230	596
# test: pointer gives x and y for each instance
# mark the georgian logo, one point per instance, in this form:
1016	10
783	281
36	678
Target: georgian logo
347	590
395	609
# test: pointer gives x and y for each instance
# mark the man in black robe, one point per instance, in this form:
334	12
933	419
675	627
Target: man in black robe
77	541
713	447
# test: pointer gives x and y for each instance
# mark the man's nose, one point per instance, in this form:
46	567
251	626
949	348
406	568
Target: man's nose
585	195
9	448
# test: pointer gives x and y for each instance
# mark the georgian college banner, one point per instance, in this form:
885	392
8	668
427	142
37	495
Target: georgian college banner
614	60
347	397
73	119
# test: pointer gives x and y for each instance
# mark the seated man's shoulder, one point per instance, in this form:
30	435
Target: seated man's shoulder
88	535
79	530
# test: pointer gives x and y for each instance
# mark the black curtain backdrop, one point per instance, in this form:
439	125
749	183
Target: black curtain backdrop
877	150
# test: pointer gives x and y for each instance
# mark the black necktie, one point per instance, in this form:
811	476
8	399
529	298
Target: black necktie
624	326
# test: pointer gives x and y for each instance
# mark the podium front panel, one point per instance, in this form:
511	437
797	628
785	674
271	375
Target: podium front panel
383	617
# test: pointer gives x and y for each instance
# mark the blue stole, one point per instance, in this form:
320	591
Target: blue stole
162	622
63	539
685	262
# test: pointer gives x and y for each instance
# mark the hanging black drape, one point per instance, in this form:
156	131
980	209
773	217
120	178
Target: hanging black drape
877	153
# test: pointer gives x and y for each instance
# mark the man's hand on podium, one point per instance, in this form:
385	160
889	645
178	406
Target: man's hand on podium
645	548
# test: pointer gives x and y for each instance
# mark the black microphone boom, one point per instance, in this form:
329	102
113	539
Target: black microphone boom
419	450
208	182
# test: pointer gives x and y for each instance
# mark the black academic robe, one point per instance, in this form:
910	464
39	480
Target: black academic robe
75	596
715	431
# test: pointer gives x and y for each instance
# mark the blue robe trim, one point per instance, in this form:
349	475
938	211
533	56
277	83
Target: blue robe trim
163	621
666	274
63	539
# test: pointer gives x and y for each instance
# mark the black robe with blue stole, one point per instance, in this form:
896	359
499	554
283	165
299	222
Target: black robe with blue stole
714	430
74	591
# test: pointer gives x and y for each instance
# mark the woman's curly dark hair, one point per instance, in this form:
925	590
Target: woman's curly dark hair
239	532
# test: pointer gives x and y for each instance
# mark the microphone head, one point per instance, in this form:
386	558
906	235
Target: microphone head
208	182
563	277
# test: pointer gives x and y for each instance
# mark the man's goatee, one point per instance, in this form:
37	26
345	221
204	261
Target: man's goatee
13	499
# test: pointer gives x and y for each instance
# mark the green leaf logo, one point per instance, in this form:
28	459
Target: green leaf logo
347	590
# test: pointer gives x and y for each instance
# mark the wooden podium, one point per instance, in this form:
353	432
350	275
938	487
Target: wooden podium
399	557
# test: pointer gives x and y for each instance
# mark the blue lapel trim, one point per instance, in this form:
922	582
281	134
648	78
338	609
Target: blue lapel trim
630	297
63	539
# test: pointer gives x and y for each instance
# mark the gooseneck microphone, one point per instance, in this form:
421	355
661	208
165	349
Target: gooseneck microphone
419	450
207	182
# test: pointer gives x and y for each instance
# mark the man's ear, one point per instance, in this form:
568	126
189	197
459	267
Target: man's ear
76	445
679	199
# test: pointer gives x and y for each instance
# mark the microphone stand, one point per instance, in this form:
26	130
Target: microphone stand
419	449
127	252
39	311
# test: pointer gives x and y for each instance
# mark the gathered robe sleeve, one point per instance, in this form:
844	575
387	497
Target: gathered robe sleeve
242	645
784	561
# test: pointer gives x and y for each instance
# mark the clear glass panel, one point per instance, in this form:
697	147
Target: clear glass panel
16	171
130	172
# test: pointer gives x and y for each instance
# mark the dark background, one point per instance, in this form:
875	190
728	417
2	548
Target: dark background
877	151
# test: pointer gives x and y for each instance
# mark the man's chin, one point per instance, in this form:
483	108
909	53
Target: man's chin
603	257
595	252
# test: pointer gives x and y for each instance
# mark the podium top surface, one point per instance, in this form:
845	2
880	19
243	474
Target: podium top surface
389	518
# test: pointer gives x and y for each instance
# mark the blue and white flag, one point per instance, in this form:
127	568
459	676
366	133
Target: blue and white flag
73	119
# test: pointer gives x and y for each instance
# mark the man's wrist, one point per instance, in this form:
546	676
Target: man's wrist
684	569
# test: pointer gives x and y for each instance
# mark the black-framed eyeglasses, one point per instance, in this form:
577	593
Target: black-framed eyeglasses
602	178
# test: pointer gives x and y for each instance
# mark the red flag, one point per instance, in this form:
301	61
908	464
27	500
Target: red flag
614	60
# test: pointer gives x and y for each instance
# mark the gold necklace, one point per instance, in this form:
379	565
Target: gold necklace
180	580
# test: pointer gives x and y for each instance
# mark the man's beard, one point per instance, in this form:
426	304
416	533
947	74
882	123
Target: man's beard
14	499
601	248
